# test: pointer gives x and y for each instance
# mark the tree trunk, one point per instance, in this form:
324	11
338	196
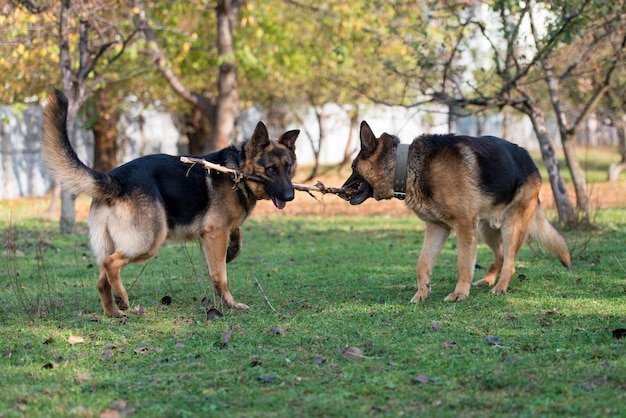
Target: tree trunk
578	175
562	201
228	94
196	126
67	223
616	168
319	116
347	153
105	131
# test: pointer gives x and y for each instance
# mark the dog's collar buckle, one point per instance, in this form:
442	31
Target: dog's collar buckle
399	179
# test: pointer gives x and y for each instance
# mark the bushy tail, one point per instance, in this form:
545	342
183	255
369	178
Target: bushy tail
61	159
544	233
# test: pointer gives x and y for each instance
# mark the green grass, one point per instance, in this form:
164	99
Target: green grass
332	282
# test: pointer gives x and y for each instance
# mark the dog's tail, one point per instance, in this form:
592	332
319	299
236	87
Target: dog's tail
544	233
61	159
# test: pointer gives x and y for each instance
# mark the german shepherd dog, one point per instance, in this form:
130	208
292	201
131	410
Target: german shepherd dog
139	204
485	186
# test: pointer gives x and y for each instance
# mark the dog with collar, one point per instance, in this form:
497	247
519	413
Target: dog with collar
473	186
139	204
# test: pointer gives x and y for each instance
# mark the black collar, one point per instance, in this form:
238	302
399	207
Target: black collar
399	179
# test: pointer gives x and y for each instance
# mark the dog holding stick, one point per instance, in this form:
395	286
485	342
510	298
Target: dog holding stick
473	186
140	204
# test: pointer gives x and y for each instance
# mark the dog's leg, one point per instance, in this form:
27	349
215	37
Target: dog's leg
104	289
234	245
112	266
215	244
514	232
435	237
493	238
513	237
466	232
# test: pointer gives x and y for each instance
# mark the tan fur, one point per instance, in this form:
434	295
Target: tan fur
456	202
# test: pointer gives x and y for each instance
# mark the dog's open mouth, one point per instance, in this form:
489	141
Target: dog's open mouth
280	204
357	190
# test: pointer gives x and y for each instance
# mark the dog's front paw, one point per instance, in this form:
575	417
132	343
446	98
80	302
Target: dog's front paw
482	282
419	297
456	296
115	313
498	291
238	305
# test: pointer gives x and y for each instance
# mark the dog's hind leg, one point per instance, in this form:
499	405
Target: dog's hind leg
434	239
493	238
104	289
466	233
111	267
215	244
514	233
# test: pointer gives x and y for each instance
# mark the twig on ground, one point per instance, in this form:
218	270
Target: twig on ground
264	295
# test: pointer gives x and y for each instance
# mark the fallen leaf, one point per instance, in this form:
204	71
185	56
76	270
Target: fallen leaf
107	353
449	344
110	413
319	360
48	366
226	336
435	326
179	345
49	340
213	314
421	378
75	340
85	377
352	353
138	310
493	340
141	350
266	379
166	300
278	331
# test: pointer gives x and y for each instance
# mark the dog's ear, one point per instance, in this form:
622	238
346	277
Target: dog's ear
260	138
368	140
288	139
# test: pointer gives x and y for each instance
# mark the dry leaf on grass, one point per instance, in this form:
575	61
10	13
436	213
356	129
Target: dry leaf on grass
421	378
353	353
85	377
73	339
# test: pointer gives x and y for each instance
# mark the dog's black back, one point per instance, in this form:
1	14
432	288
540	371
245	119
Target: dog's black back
503	166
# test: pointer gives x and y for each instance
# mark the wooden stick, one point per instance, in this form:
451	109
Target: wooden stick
318	187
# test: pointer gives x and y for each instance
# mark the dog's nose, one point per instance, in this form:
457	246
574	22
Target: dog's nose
288	195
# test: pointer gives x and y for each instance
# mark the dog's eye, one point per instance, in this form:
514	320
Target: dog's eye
271	169
287	167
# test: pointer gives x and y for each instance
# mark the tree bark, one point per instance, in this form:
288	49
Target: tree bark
562	201
105	131
67	223
616	168
228	93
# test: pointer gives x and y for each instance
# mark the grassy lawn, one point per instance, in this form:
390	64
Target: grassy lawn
545	349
